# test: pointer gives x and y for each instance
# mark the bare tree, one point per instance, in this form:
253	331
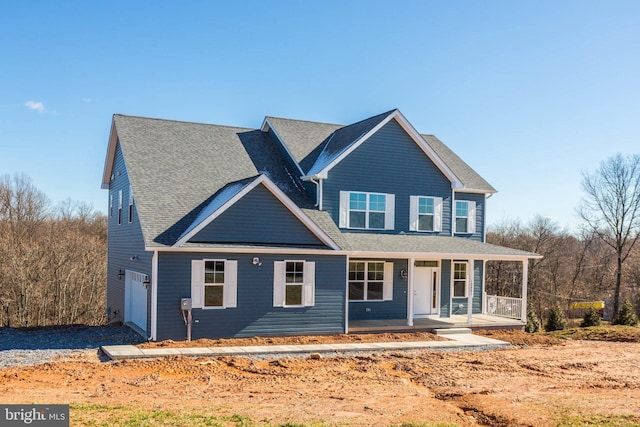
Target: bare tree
611	208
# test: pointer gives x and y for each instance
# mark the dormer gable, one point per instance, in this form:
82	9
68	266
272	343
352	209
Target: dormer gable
347	139
254	211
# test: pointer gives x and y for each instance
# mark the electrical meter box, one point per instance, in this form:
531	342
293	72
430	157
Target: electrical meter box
185	304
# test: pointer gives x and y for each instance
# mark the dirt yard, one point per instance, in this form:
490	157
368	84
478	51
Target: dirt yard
542	382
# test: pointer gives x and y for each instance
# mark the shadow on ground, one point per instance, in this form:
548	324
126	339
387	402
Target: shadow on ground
77	337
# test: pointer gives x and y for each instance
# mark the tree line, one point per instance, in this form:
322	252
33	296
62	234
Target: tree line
52	258
574	268
600	262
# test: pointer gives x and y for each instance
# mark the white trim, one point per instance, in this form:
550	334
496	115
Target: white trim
453	213
470	285
130	206
411	131
410	288
111	155
466	283
387	270
154	296
357	254
525	280
229	286
280	283
345	210
346	297
279	194
471	217
414	214
266	125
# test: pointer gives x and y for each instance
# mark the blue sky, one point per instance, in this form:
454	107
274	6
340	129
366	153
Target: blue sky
528	93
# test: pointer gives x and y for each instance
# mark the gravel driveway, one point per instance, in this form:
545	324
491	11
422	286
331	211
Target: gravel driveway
36	346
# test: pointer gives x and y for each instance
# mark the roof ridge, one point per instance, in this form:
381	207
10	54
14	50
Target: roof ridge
306	121
181	121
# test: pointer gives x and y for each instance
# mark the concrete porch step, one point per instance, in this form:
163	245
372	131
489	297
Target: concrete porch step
451	331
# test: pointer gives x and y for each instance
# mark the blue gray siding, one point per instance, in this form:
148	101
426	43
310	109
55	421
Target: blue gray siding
254	314
395	309
480	203
123	242
445	290
389	162
258	218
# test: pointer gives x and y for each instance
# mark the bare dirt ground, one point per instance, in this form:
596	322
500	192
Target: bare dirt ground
543	381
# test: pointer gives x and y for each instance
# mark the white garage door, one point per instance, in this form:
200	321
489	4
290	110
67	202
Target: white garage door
136	299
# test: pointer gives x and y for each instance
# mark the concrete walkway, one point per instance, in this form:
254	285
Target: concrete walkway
457	340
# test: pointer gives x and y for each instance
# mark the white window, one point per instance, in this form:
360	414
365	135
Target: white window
370	281
119	207
373	211
465	218
425	213
460	279
130	205
294	283
214	283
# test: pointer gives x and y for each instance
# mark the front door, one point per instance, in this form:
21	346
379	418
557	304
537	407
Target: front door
425	291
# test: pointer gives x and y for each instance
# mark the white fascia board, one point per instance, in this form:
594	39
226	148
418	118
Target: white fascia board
298	213
266	125
325	171
433	255
415	135
474	191
110	157
279	194
350	254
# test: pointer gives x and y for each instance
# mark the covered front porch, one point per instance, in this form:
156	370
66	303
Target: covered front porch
479	321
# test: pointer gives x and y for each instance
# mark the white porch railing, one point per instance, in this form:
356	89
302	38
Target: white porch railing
503	306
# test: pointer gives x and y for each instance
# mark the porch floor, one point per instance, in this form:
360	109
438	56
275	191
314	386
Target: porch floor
480	321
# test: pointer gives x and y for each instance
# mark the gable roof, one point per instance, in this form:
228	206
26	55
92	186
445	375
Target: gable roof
470	179
181	173
319	146
229	195
303	139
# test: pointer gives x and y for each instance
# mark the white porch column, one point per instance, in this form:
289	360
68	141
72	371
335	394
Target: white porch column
525	279
472	273
410	275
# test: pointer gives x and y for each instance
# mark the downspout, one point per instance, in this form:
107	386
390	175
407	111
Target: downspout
484	219
318	184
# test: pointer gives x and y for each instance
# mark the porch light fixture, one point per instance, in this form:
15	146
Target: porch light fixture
256	261
147	281
120	274
403	273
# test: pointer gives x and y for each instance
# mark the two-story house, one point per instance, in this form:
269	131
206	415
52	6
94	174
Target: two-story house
296	227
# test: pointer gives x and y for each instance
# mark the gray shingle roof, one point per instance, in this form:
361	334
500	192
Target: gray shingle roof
463	171
304	139
177	169
436	245
342	138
